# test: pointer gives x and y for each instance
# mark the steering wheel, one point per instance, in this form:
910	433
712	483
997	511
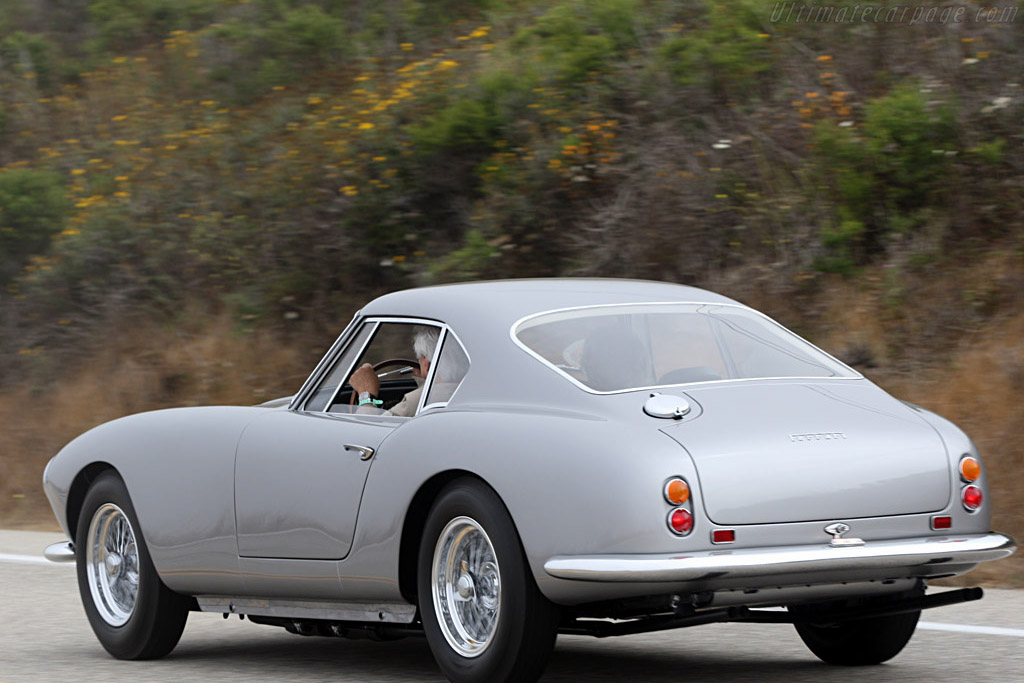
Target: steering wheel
415	364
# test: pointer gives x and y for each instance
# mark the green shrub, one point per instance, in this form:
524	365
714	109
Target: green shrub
907	141
125	24
580	39
279	44
883	177
725	53
33	208
990	152
22	53
469	262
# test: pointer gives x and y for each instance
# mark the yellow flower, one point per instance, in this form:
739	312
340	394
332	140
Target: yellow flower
407	46
366	125
77	171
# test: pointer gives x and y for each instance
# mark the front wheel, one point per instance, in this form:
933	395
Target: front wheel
134	615
859	642
484	618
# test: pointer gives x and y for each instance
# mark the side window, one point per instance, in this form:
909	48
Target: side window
452	366
398	352
339	373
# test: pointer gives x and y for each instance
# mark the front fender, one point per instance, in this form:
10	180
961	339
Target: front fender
178	466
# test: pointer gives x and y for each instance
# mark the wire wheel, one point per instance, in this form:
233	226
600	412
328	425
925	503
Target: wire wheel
112	564
466	586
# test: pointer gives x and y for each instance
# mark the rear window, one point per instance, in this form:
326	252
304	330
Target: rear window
618	348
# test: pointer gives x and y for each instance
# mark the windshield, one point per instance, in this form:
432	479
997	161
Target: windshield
618	348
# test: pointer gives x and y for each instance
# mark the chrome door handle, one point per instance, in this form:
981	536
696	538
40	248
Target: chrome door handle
364	452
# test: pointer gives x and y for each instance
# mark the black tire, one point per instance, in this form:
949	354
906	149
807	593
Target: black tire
860	642
525	623
155	621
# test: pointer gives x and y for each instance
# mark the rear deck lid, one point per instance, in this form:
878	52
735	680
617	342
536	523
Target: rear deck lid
774	452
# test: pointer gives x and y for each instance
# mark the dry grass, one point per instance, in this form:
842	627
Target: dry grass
141	367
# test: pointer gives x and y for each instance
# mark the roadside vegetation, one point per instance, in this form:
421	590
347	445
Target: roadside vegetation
196	194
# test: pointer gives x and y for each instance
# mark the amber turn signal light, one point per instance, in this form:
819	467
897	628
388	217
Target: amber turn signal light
677	491
970	469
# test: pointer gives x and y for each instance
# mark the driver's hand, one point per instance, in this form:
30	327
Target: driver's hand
365	379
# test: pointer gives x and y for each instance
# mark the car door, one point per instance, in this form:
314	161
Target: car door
298	481
299	473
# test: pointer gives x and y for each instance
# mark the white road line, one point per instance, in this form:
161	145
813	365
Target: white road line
967	628
31	559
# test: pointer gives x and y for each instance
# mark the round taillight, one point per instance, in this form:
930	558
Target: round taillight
677	491
680	521
972	497
970	469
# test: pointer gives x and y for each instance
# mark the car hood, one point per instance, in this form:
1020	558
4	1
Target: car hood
785	452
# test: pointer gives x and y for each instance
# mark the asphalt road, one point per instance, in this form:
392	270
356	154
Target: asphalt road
45	637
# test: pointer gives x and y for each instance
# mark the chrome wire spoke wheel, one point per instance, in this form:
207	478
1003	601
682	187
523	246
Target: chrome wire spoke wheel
466	586
112	564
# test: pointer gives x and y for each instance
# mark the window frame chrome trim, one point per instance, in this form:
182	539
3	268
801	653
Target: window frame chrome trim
429	379
362	350
426	390
515	340
325	362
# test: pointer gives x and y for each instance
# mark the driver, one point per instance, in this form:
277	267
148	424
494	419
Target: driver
365	381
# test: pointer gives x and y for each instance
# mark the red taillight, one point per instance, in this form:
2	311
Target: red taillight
680	521
942	522
723	536
972	497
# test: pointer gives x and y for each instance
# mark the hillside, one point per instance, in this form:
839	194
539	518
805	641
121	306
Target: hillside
195	195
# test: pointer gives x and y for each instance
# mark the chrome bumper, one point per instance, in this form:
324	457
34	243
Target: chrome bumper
923	556
60	552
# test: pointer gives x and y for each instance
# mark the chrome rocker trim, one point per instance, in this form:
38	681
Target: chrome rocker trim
60	552
917	554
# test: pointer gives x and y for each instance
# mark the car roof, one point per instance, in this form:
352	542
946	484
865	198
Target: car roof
482	315
498	304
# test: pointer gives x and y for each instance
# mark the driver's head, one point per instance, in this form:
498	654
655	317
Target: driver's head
423	345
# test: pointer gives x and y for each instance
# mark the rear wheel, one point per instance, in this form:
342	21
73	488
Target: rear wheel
859	642
134	615
482	613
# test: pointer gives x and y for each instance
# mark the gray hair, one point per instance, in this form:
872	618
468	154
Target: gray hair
452	365
425	342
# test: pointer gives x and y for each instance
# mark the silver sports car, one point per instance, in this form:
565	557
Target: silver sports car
491	464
